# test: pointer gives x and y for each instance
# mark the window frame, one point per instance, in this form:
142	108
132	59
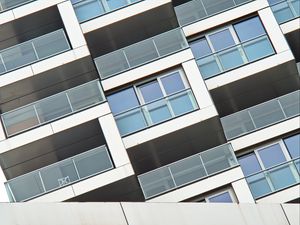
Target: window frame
217	193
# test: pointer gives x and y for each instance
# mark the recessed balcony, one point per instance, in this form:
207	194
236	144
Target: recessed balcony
141	53
87	9
261	116
10	4
52	108
196	10
188	170
33	50
285	10
59	175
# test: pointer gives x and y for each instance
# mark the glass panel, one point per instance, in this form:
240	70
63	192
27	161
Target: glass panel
293	145
187	170
249	164
282	12
266	113
19	55
208	67
85	96
141	53
88	9
53	107
237	124
200	48
182	103
172	83
271	156
151	91
157	112
215	6
258	48
224	197
2	68
249	29
156	182
59	175
282	177
290	104
259	185
115	4
169	42
231	58
19	120
6	4
222	39
218	159
297	164
93	162
272	2
296	6
26	186
111	64
130	122
190	11
122	100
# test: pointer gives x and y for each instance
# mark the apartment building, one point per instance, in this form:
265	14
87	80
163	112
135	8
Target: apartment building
150	101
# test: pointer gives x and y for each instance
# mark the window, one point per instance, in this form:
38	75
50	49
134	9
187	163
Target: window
231	47
152	102
293	145
224	197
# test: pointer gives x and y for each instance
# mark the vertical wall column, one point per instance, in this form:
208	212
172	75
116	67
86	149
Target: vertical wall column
71	24
3	193
114	140
242	191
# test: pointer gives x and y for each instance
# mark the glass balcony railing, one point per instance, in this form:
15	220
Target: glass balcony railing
141	53
59	174
89	9
196	10
187	170
33	50
261	115
274	179
155	112
52	108
285	10
236	56
10	4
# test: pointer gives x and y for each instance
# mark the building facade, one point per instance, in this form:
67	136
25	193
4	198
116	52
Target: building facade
150	101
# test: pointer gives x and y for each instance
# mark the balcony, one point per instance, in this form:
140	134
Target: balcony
10	4
86	9
156	112
34	50
59	175
233	57
141	53
285	10
52	108
196	10
261	116
274	179
187	170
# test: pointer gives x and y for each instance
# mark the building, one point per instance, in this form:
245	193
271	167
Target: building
150	100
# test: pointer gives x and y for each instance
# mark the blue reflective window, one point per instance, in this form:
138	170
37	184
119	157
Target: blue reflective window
272	2
271	156
115	4
172	83
249	29
249	164
224	197
122	100
151	91
200	48
222	39
293	145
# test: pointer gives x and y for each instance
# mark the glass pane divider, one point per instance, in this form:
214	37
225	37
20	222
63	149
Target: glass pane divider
36	113
34	50
171	174
203	164
41	178
255	127
12	194
269	181
153	41
70	104
126	58
206	13
285	116
5	68
76	169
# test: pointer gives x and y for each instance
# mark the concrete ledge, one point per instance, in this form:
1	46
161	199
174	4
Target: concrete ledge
290	26
283	196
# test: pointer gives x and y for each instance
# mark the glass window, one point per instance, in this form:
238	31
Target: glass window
151	91
271	156
221	39
293	145
115	4
122	100
200	48
223	197
172	83
249	29
249	164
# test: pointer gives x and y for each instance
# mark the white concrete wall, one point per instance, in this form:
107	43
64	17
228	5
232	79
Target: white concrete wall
283	196
242	191
3	193
290	26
